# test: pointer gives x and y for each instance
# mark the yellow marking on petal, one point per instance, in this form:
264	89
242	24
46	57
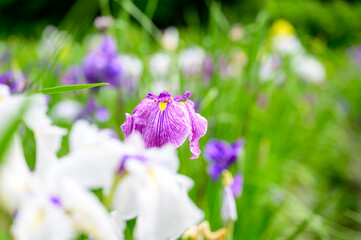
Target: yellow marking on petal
227	177
40	216
152	175
1	98
282	28
183	104
162	106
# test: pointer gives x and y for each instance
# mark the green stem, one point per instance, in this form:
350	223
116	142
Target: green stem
230	228
109	198
104	7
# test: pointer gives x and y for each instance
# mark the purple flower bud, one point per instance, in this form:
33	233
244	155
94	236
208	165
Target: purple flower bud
163	119
103	22
15	81
208	69
55	200
355	53
102	114
103	64
93	110
72	76
237	185
221	155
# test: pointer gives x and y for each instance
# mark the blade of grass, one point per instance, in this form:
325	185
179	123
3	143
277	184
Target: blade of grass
69	88
143	19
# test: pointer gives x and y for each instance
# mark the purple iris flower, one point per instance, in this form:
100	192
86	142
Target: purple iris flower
221	155
163	119
103	64
355	53
208	69
15	82
93	110
73	75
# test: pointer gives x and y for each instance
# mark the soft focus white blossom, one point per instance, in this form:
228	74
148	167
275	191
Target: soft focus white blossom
287	45
67	110
43	205
160	65
170	38
133	66
270	69
191	61
309	69
236	33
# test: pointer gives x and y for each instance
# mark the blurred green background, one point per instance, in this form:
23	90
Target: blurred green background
302	160
335	21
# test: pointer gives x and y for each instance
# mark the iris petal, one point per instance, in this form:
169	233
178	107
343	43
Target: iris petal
199	129
172	125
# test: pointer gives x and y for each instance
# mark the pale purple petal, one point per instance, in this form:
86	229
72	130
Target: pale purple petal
199	129
102	114
127	127
109	46
181	97
237	185
229	208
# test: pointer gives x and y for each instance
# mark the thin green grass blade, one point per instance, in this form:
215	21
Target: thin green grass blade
69	88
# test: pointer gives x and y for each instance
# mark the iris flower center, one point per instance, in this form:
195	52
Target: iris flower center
162	106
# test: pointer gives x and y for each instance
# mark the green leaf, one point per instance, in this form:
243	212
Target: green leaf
7	135
69	88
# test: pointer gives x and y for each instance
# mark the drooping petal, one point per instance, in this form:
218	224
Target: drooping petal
199	129
14	175
229	209
167	210
88	215
127	126
48	141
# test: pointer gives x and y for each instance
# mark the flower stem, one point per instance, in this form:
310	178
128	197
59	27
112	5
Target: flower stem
230	228
109	198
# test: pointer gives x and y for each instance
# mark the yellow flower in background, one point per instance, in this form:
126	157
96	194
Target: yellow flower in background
282	27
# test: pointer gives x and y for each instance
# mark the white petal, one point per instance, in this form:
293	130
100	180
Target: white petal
88	215
15	177
39	219
229	208
166	209
48	141
4	91
309	69
67	109
94	157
